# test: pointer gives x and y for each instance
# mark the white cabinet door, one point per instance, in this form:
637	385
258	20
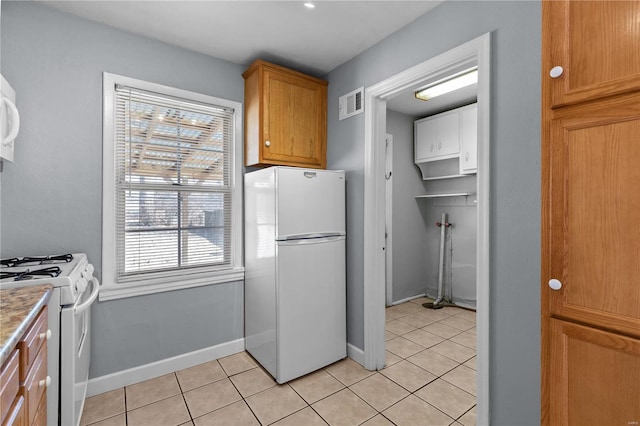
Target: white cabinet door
437	137
449	134
469	140
426	139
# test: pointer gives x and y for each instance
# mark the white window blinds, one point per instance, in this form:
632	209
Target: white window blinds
173	161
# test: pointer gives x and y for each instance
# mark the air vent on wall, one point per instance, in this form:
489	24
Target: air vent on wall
351	104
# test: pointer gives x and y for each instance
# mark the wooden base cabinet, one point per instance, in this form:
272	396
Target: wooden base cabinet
24	379
285	117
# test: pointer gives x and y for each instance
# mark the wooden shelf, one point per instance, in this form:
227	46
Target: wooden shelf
451	194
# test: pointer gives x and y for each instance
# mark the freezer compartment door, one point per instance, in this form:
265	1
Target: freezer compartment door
311	323
309	202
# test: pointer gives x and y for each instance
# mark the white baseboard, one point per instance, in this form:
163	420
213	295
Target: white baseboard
355	354
128	377
398	302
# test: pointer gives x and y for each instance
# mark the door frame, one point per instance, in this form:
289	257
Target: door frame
389	218
475	51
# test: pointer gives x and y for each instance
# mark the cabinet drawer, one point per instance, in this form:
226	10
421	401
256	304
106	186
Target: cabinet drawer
35	385
31	342
17	414
9	384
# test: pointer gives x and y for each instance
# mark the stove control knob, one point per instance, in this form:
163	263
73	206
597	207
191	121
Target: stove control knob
81	284
89	269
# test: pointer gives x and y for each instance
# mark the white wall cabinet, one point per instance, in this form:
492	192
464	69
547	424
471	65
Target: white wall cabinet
451	134
437	137
469	139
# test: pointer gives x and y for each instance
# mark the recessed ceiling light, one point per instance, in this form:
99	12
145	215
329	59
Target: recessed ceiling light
309	5
449	84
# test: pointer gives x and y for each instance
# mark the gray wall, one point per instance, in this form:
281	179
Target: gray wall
515	179
409	227
52	193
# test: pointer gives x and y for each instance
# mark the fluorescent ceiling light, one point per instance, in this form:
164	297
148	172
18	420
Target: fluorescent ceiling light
309	5
457	81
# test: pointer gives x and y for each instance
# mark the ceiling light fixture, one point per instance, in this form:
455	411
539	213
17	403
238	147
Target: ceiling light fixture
457	81
309	5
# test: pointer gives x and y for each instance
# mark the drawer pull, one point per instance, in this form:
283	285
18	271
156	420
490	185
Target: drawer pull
45	382
46	335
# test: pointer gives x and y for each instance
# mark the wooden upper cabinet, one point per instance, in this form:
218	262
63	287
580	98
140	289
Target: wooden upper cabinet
597	44
285	117
594	205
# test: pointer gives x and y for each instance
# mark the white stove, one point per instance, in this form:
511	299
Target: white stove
75	290
69	272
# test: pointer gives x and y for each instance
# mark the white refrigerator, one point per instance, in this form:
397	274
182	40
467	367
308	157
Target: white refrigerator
295	274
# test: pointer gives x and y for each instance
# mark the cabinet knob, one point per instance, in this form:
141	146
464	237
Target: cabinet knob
46	335
556	71
45	382
267	143
555	284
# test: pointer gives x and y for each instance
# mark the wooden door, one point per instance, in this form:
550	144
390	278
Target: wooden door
294	120
590	359
597	45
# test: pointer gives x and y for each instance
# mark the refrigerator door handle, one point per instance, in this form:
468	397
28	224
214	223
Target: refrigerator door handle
307	241
313	235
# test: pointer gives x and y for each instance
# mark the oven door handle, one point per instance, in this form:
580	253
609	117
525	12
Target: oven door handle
79	308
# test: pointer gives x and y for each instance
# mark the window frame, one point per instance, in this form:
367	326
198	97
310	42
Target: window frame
155	282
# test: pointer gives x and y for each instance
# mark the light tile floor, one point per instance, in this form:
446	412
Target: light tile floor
429	380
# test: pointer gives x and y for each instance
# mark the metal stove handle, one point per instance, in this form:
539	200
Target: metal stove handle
79	308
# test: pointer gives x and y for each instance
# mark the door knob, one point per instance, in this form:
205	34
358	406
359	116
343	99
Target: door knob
267	143
555	284
556	71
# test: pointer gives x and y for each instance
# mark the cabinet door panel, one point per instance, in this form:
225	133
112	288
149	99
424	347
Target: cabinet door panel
449	134
426	136
293	120
595	234
597	45
469	140
595	376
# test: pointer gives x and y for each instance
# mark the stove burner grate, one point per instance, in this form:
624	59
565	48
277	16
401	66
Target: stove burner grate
38	260
52	271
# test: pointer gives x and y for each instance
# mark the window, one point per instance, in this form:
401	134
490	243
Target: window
171	188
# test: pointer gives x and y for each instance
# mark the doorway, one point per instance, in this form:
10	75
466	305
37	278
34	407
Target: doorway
474	52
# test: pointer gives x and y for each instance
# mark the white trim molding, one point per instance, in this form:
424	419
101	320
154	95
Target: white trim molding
355	353
475	52
134	375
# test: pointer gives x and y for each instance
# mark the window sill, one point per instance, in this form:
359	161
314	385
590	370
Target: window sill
159	285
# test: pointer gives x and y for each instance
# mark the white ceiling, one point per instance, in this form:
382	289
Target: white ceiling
311	40
314	41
